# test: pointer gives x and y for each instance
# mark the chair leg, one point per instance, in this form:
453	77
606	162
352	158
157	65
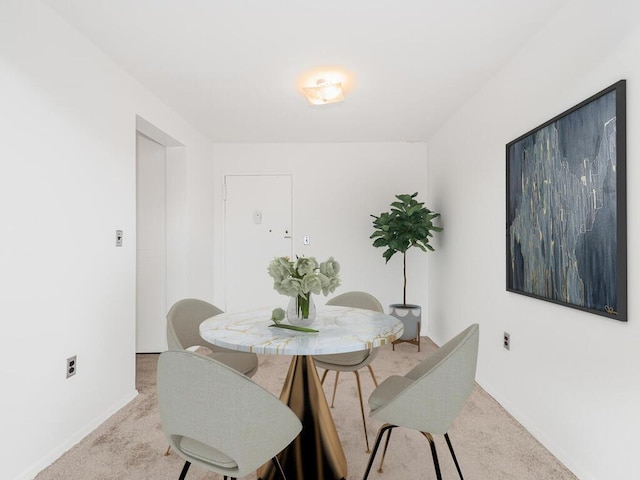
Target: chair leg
373	375
166	454
436	464
386	427
455	460
335	387
278	466
384	452
185	469
364	421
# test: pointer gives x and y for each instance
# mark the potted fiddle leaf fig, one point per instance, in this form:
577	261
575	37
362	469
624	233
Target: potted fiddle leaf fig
408	224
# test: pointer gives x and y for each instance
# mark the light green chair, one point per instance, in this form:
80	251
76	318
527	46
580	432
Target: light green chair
352	361
430	396
219	419
183	333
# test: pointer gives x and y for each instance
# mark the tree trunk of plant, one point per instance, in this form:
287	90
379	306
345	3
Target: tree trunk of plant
404	286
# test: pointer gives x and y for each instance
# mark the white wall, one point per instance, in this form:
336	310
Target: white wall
67	130
336	187
571	377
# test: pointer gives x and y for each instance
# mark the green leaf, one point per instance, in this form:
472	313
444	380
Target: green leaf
380	242
415	209
388	254
405	198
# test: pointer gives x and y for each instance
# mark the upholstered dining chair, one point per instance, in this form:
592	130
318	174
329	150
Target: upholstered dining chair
183	333
352	361
429	397
219	419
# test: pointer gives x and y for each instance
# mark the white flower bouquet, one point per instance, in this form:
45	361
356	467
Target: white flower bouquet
302	277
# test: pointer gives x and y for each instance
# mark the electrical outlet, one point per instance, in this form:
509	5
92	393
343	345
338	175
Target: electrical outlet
72	366
506	341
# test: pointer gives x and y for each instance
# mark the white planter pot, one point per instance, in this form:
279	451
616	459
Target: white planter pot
410	316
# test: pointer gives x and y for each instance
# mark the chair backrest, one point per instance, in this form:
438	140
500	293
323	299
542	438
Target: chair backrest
202	399
360	358
441	386
183	323
357	300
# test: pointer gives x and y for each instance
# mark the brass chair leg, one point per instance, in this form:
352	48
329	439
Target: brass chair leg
333	397
166	454
364	421
373	375
335	387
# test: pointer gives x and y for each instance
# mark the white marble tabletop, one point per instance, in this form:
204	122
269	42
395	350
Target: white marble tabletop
340	329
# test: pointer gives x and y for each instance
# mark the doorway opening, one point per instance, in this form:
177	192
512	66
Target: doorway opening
157	155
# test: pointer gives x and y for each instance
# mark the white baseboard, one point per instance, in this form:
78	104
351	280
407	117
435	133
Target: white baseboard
31	472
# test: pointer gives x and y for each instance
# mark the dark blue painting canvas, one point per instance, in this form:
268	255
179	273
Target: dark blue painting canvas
566	208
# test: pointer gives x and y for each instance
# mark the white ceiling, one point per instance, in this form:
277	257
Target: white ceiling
233	68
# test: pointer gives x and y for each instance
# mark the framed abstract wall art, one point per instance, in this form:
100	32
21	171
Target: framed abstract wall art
566	208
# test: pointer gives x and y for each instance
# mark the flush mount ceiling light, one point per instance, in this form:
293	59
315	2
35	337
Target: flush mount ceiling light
324	92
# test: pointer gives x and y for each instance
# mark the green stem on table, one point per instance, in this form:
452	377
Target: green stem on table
294	327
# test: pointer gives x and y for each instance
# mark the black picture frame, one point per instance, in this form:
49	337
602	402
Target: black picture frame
566	207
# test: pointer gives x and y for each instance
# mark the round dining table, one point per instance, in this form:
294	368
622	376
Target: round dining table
317	452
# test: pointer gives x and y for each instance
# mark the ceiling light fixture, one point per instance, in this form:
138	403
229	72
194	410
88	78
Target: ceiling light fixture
324	92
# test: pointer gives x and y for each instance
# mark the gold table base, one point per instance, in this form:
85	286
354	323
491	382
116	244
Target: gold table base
317	452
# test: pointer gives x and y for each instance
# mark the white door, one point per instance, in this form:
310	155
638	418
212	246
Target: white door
258	216
151	246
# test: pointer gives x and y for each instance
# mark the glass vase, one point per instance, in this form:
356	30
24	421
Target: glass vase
301	310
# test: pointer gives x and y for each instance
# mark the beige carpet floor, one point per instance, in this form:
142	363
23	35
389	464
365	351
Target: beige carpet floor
489	443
